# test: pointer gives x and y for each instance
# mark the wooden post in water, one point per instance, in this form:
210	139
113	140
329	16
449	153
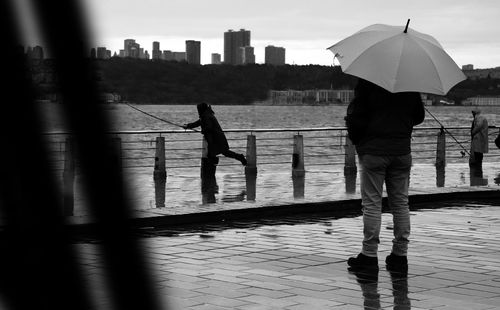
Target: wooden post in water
251	167
441	150
350	157
298	156
69	178
160	171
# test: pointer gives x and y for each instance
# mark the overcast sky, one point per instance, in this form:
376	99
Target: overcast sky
468	30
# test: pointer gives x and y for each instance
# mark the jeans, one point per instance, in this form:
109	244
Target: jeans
395	172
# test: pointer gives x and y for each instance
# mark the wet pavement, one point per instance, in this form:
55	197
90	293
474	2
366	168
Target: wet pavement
299	262
185	195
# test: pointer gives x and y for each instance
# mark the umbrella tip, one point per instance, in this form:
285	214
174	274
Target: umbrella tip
406	28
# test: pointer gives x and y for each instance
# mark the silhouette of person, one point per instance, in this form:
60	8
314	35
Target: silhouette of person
214	135
479	136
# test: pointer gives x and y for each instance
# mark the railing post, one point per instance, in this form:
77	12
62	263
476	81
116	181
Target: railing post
69	177
251	167
298	186
160	171
116	143
441	149
251	186
298	156
350	157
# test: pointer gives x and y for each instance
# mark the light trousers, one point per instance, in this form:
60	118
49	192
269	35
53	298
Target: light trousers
394	171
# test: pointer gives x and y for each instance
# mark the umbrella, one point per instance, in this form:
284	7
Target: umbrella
398	59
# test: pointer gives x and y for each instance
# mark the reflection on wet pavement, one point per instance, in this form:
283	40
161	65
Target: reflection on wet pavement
299	262
276	185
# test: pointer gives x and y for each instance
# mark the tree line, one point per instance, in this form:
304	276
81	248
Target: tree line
170	82
181	83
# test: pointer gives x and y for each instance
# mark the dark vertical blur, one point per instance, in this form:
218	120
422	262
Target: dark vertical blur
39	268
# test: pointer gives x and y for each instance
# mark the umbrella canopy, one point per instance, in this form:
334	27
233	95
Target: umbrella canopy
398	59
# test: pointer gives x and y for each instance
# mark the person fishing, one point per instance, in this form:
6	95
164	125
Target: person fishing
214	135
479	135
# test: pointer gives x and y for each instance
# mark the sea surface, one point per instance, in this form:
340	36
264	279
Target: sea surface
257	116
324	154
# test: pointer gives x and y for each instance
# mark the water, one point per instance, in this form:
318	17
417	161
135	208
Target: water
274	183
251	117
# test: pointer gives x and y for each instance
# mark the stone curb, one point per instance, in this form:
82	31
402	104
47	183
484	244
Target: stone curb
338	207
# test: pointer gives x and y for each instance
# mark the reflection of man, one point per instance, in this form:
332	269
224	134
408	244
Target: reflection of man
479	136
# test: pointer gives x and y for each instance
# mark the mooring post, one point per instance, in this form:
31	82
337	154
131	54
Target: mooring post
350	157
251	167
298	156
69	178
160	171
441	149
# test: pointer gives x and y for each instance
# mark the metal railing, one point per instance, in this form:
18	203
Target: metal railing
274	146
268	151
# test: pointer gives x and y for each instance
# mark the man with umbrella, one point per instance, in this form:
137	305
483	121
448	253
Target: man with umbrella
395	65
380	124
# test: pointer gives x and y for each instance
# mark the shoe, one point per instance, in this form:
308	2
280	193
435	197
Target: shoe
396	263
242	158
362	262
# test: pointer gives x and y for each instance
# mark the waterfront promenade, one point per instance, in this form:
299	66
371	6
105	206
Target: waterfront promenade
299	262
275	241
291	253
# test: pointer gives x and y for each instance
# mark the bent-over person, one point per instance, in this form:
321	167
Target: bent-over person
214	135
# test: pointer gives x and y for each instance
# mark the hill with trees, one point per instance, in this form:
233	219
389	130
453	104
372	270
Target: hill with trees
182	83
169	82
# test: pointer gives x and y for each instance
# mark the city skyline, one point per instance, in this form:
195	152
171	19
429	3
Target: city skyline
467	30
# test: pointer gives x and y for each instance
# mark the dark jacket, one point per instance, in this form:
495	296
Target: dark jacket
211	130
380	122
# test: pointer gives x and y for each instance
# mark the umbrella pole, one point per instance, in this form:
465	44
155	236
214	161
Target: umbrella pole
442	127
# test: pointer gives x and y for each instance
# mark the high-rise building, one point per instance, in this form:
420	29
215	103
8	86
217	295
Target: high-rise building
216	59
127	45
179	56
131	49
156	53
193	52
101	53
274	55
167	55
247	55
35	52
233	40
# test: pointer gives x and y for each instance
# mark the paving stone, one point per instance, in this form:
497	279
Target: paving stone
267	265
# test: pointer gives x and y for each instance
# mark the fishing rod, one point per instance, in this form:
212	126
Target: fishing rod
443	128
158	118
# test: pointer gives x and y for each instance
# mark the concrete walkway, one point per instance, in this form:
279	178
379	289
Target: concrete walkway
299	262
